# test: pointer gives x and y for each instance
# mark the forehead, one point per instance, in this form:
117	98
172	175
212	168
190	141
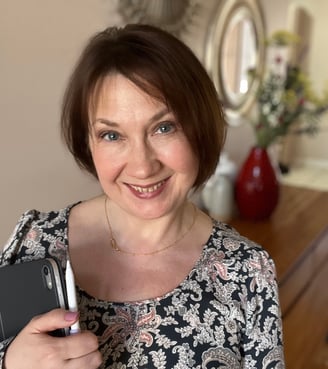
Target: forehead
120	101
118	90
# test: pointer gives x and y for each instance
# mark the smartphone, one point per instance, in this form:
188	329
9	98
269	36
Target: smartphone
29	289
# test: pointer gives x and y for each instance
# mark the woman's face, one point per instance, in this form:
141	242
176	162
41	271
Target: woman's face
143	159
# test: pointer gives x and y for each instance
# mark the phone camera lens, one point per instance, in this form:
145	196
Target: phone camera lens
47	277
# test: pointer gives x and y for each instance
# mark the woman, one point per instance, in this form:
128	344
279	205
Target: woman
159	283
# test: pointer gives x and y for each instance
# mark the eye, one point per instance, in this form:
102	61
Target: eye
166	127
110	136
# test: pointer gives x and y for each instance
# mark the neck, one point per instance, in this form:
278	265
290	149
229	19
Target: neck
135	236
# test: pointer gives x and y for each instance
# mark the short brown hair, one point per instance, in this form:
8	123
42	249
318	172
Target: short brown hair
162	66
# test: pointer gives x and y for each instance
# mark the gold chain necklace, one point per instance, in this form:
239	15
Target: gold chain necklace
118	249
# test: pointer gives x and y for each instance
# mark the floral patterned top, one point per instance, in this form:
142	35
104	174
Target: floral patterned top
225	314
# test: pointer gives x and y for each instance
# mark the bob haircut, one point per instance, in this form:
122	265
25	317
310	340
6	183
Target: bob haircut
165	68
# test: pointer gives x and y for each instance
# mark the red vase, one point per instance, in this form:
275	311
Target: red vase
257	187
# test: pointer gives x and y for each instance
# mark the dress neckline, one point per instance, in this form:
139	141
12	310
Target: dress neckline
150	301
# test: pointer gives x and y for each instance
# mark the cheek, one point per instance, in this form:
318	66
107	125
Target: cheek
182	159
103	162
191	167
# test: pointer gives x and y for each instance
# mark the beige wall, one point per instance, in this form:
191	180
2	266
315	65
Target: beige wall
39	42
305	149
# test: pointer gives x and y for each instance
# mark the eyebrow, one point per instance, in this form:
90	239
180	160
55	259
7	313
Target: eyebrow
154	118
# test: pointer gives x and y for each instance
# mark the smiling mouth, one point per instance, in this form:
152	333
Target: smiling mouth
148	189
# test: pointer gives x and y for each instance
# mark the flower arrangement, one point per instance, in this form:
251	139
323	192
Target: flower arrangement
286	101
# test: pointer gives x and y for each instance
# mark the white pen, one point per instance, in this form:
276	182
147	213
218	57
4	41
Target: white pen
71	295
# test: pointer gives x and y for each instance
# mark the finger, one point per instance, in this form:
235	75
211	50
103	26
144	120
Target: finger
54	319
90	361
78	345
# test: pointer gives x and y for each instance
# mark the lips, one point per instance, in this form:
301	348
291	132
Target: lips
147	189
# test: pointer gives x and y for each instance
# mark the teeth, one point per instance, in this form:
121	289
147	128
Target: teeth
148	189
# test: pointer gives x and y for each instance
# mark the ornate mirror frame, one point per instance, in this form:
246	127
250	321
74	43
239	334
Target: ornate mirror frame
229	15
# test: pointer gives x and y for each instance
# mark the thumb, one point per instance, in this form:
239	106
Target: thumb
54	319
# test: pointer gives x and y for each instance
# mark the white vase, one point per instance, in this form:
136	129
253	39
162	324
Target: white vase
218	197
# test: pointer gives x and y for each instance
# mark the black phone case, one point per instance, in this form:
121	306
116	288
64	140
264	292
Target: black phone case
29	289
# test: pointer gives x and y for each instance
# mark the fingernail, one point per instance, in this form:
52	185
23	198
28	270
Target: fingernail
71	315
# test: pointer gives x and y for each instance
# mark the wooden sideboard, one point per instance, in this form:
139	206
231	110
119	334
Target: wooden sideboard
296	237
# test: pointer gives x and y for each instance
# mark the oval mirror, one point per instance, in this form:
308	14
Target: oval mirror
234	55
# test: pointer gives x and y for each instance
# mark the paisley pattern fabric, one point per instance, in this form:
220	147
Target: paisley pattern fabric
225	314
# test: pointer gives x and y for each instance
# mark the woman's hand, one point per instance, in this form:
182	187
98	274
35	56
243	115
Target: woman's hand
34	348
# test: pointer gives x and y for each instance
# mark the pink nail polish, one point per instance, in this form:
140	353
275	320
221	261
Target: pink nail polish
71	316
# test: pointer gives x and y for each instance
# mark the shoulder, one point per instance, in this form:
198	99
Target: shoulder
35	218
228	239
33	230
239	254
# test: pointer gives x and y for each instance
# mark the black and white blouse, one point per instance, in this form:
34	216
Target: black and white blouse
224	314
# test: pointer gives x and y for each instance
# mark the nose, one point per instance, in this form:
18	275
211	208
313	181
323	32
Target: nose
143	161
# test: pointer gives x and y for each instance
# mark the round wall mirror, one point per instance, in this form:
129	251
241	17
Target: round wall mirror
235	53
